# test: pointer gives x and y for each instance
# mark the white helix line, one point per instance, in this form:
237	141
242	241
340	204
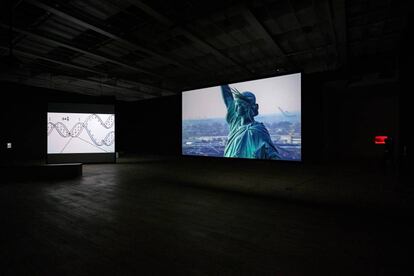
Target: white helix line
77	129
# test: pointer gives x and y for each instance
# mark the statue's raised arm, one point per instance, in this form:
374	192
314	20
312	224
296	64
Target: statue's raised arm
227	95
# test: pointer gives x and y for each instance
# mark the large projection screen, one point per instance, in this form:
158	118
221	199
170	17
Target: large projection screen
257	119
80	133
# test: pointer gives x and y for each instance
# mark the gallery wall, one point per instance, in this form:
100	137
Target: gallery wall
150	127
23	112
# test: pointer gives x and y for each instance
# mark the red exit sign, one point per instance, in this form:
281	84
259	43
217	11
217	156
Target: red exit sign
380	140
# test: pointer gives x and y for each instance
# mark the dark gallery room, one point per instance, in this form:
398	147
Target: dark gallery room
158	137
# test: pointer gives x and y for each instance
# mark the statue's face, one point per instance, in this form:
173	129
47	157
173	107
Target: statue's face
242	108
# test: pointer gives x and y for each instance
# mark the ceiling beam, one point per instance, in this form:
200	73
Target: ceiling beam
103	84
18	2
338	17
180	30
107	33
151	12
264	33
74	85
79	50
312	50
78	67
66	64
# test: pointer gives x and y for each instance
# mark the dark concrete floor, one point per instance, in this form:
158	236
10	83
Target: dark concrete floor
158	217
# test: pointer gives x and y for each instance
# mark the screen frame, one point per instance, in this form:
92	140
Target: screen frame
86	108
240	159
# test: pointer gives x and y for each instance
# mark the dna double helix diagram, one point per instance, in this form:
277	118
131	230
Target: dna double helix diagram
92	130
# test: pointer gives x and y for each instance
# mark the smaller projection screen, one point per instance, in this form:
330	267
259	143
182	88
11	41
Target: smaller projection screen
258	119
80	133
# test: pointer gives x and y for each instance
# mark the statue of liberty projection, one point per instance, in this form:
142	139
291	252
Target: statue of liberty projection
247	138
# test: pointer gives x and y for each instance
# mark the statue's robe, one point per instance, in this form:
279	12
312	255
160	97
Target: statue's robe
248	141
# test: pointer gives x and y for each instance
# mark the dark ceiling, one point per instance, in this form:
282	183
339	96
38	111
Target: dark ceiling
135	49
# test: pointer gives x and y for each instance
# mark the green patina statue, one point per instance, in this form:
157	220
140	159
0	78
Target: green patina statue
247	138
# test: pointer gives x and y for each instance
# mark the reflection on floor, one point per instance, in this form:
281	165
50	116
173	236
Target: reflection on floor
161	216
